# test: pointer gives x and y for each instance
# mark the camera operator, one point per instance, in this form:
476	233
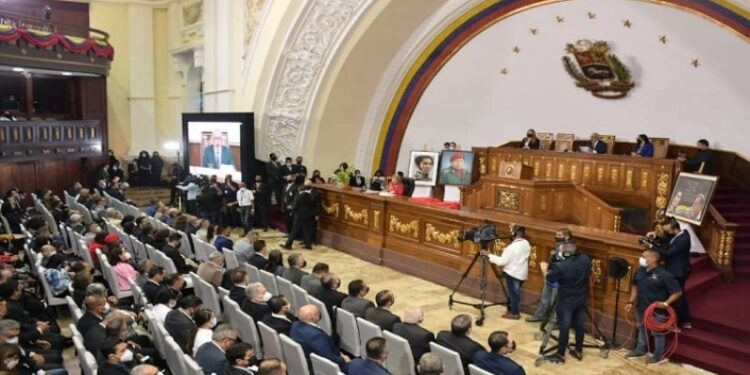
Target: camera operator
651	284
572	274
674	248
549	291
515	263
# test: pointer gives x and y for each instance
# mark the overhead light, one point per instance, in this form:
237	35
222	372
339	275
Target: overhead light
18	70
172	146
67	73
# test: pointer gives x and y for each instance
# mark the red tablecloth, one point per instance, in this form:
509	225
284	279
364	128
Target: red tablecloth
434	202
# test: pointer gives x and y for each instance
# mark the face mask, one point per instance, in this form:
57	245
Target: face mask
11	364
52	253
559	239
127	356
267	296
107	307
642	262
172	304
213	322
13	341
128	256
529	135
257	181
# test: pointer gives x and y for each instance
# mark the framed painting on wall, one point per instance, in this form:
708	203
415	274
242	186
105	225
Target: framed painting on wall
456	167
691	196
423	167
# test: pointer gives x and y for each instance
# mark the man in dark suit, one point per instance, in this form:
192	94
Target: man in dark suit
382	315
295	273
674	248
210	356
497	360
703	161
256	304
459	340
314	340
374	364
174	241
217	154
291	189
299	168
96	306
329	294
288	167
114	351
240	358
419	338
239	284
596	145
355	302
180	324
259	259
262	194
152	286
279	319
304	212
275	182
358	181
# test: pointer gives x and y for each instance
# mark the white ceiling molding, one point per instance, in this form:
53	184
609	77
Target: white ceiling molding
153	3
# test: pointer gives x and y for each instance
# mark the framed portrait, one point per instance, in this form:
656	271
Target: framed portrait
423	167
456	167
691	196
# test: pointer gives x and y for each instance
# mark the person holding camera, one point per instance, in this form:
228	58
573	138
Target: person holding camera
674	248
651	284
572	274
515	263
549	291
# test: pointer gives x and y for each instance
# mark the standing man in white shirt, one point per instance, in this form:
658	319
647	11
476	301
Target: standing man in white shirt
245	200
515	263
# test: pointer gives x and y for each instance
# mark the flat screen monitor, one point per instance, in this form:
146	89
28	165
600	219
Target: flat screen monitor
219	144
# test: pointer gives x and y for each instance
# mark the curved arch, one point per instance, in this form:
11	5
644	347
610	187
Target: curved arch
473	22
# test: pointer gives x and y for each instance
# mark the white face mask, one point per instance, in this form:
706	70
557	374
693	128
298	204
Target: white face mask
127	356
642	262
13	341
107	307
213	322
172	304
10	365
128	256
267	296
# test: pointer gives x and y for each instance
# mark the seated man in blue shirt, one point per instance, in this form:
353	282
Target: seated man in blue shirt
306	332
496	360
375	361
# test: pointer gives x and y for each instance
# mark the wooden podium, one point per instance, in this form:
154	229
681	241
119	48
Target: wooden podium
515	170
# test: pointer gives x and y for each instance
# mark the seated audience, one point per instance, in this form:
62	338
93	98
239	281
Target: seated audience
530	142
275	263
329	294
430	364
115	354
355	302
212	270
244	246
382	315
643	147
222	240
96	307
171	251
239	283
206	321
176	283
211	355
145	369
260	254
164	302
311	283
124	271
272	366
702	162
142	267
240	360
161	238
294	273
419	338
279	319
256	304
459	340
374	363
497	360
314	340
180	324
152	286
596	145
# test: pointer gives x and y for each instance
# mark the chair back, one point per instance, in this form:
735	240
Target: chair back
139	298
87	360
409	186
400	359
346	328
299	298
294	356
271	343
75	311
253	274
174	356
223	292
323	366
285	289
564	142
325	319
269	280
474	370
545	141
451	359
245	325
661	146
367	330
191	367
230	258
186	248
207	294
610	141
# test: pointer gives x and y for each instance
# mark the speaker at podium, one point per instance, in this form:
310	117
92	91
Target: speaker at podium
515	170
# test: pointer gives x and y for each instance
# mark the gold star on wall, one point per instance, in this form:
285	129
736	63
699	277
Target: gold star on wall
533	31
503	71
696	63
559	19
592	15
663	39
627	23
516	49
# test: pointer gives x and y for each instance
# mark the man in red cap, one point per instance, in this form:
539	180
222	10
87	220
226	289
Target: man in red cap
456	174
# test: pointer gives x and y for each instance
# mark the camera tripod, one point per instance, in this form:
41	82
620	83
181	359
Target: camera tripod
549	324
484	261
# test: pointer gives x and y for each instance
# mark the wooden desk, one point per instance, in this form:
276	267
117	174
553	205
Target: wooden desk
422	241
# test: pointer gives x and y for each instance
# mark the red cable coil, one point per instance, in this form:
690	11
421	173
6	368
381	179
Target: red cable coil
656	327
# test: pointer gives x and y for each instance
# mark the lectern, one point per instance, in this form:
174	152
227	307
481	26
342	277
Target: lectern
515	170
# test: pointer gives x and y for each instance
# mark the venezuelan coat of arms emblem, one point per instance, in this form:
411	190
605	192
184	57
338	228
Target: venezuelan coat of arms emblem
597	70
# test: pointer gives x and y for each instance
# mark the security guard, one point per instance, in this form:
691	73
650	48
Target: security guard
651	284
572	274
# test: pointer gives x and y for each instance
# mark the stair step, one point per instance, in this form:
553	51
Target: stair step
705	338
742	270
699	282
716	362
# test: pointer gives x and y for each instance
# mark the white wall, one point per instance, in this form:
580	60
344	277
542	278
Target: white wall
469	101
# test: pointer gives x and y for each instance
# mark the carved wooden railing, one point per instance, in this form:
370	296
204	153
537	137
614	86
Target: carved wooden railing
43	25
717	235
592	211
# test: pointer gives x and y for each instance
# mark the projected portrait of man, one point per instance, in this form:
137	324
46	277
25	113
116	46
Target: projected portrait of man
217	153
424	164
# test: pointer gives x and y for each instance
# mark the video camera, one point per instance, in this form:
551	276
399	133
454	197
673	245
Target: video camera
482	233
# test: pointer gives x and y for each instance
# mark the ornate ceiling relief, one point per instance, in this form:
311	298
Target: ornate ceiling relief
253	14
300	68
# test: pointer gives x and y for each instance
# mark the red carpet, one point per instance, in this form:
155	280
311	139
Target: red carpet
720	338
